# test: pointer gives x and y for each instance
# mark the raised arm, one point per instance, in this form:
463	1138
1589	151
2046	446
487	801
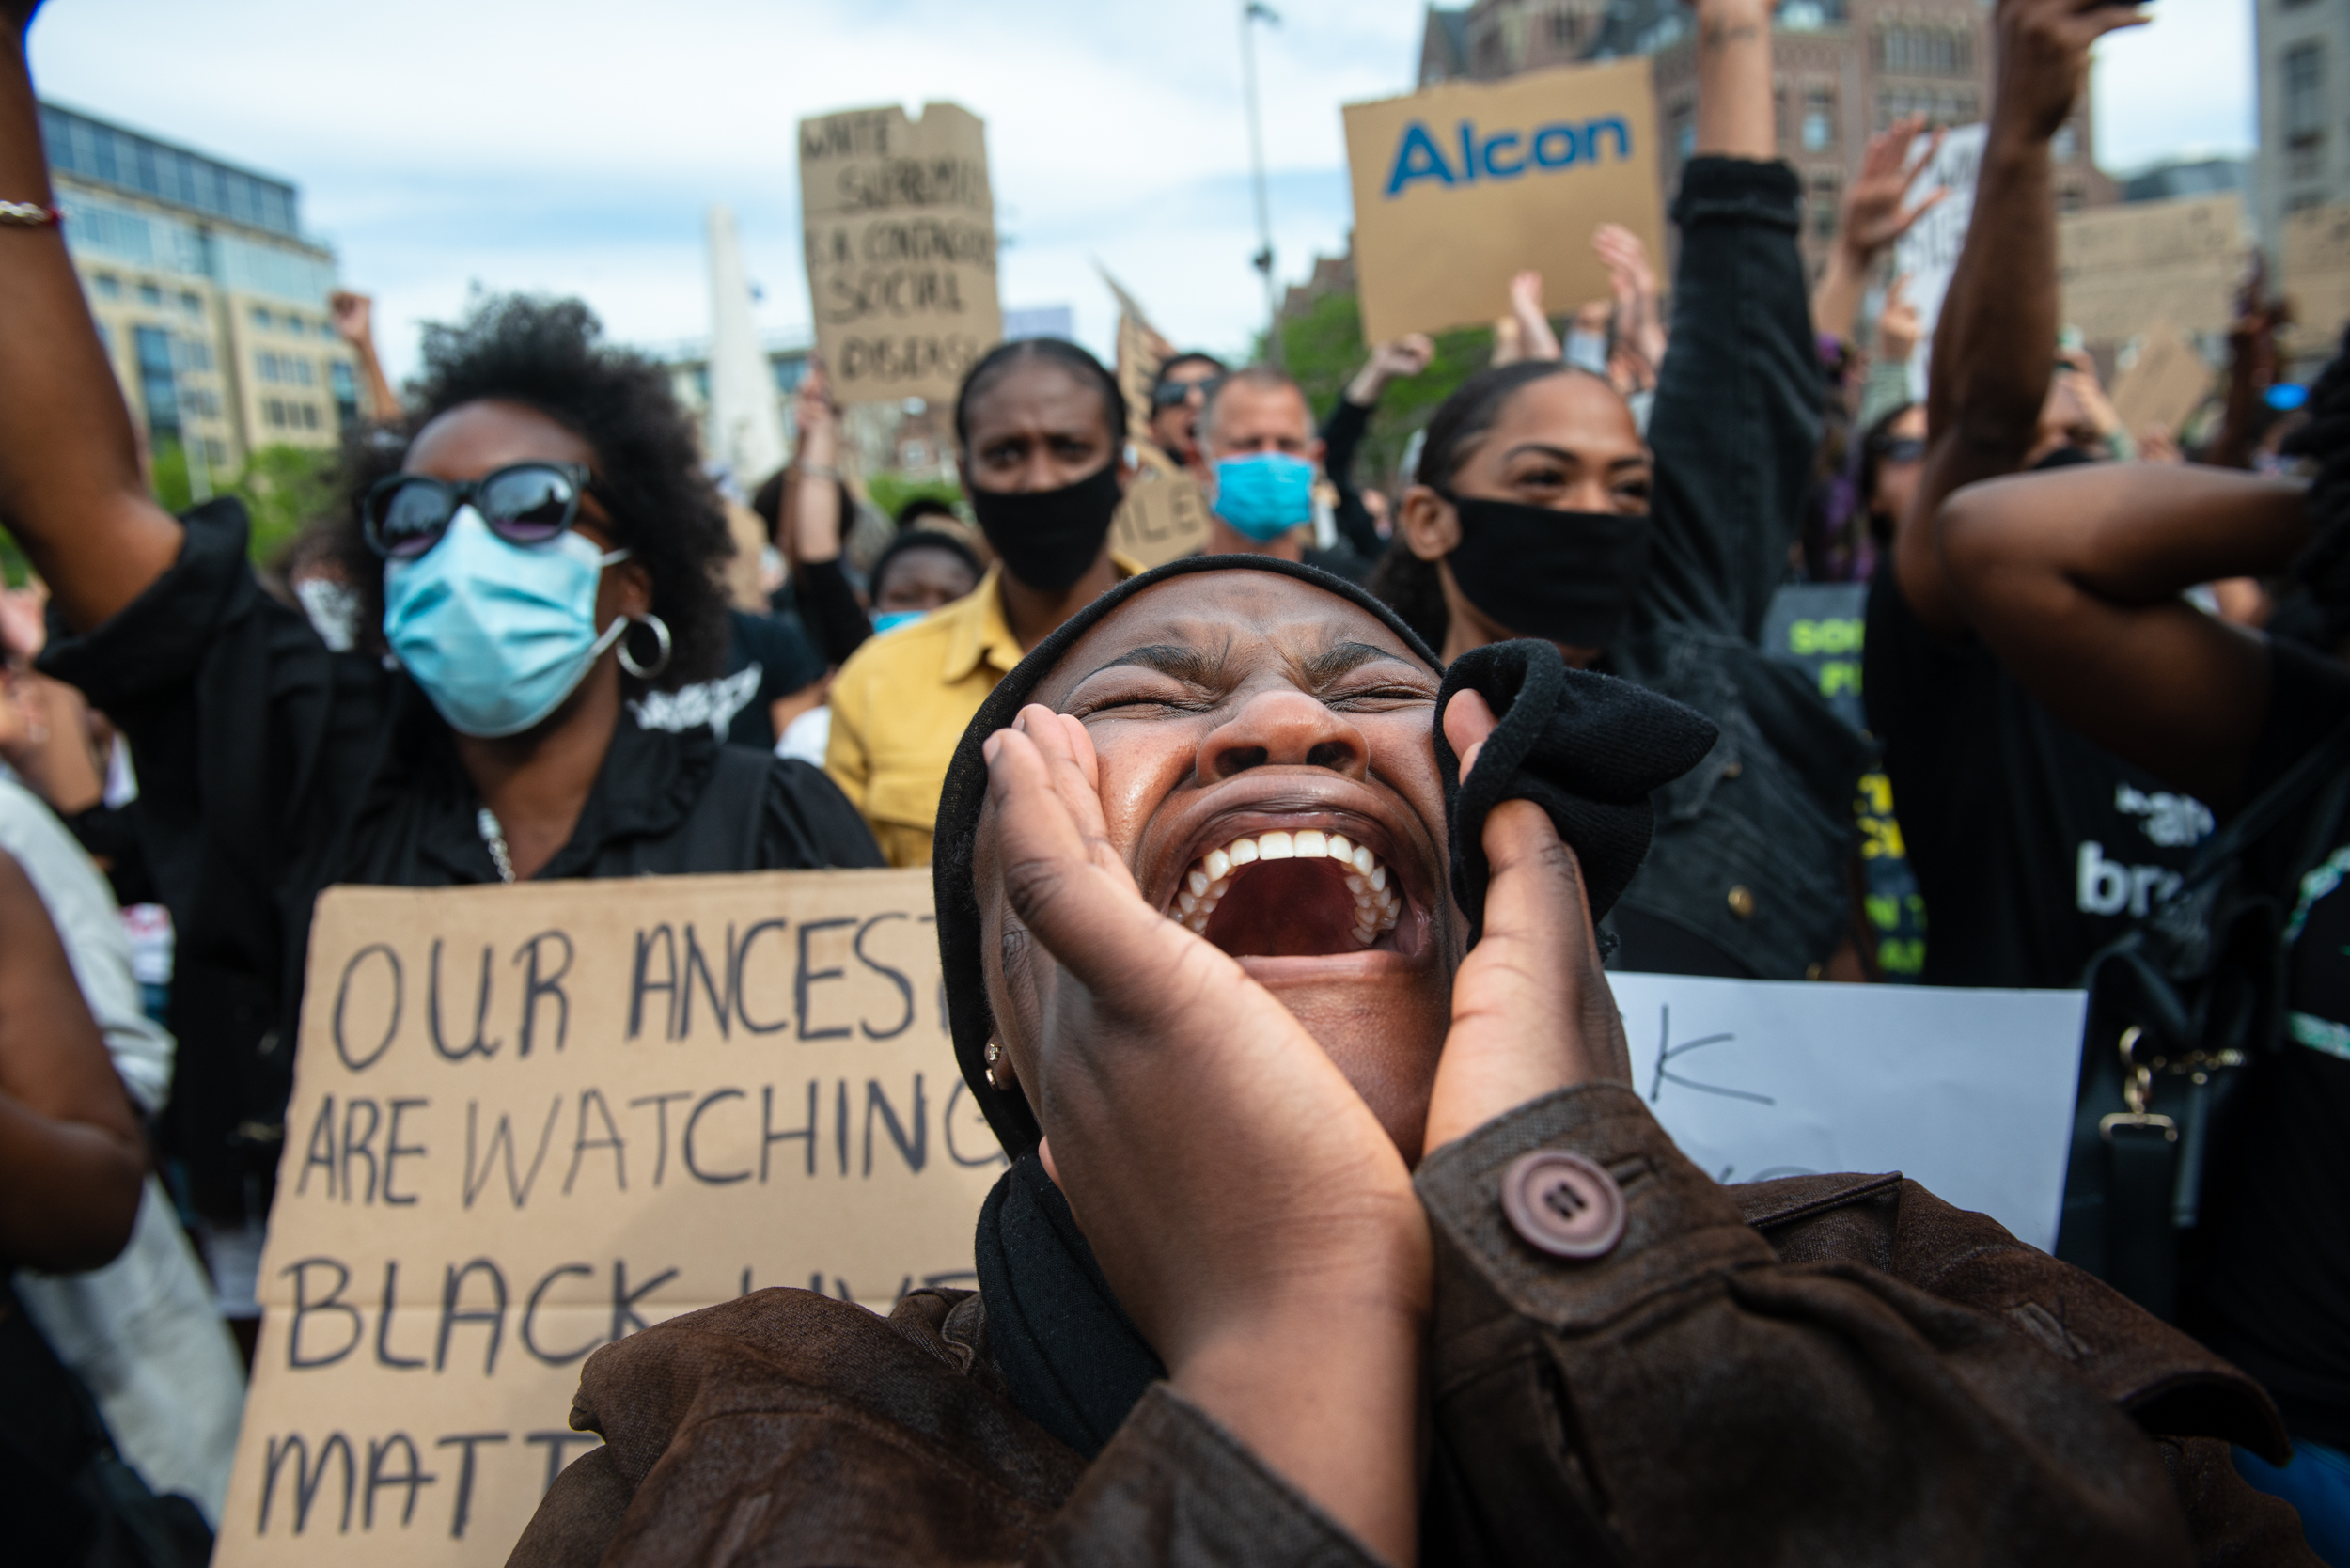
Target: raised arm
1875	213
69	484
1995	341
1736	420
2074	579
355	323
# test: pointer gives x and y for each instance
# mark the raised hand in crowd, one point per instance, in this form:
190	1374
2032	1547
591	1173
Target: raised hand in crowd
1399	360
355	323
2251	369
1899	329
1535	338
1876	212
812	522
1640	336
1995	340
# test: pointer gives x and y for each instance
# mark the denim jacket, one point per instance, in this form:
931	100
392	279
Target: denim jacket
1752	846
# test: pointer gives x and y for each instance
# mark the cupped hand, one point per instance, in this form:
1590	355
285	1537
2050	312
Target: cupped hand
1405	357
1222	1166
1532	1010
1254	1218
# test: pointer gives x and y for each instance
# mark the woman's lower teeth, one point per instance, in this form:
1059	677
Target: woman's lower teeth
1377	906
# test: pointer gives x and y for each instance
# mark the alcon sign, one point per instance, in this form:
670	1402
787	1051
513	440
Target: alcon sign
1420	155
1459	187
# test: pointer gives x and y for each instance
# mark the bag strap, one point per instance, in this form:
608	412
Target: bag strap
2270	808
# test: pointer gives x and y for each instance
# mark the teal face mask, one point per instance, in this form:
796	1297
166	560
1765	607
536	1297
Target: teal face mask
1265	494
498	634
886	621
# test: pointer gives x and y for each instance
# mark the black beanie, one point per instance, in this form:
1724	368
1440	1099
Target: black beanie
1587	748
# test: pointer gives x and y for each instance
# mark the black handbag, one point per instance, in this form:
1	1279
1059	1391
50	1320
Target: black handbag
2180	1006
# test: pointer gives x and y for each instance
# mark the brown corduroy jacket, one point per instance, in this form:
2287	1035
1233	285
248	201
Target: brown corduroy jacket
1829	1369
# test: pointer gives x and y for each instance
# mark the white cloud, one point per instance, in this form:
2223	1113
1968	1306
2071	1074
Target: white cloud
570	146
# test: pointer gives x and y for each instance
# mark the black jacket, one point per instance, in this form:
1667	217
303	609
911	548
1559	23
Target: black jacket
1750	869
271	768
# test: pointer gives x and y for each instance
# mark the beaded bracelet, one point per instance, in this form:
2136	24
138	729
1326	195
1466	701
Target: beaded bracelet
27	214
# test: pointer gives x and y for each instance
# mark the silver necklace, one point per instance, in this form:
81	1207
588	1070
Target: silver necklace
493	838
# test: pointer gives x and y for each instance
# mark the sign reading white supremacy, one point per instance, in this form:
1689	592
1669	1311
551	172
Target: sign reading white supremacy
1968	1092
530	1121
901	242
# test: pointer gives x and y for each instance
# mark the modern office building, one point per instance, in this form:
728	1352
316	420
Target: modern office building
2304	157
212	302
1845	70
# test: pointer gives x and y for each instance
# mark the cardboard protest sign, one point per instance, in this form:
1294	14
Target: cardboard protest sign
1928	254
1969	1092
901	235
2317	277
2163	384
528	1120
1162	516
2125	268
1141	350
1460	187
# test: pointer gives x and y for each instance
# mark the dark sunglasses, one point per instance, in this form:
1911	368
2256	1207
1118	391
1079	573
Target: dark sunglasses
1908	449
523	503
1168	393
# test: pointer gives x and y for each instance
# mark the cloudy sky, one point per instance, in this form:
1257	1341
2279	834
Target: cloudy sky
572	145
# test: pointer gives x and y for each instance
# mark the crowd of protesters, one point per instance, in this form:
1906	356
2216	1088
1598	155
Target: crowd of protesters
1333	1231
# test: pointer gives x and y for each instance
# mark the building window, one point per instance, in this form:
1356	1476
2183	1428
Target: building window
309	416
1565	28
2305	92
191	303
344	385
275	411
194	355
109	287
292	324
1824	205
1819	119
266	363
150	295
303	374
215	453
2306	160
2070	200
159	389
260	318
2066	146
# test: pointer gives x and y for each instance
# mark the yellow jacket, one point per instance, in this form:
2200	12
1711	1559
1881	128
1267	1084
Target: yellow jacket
902	701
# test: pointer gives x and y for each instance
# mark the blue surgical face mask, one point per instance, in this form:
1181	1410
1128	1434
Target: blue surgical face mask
1265	494
498	634
886	621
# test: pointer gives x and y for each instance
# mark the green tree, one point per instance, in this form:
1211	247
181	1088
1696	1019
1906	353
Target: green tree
1323	347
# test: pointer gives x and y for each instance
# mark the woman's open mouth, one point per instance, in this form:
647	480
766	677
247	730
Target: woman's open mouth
1291	893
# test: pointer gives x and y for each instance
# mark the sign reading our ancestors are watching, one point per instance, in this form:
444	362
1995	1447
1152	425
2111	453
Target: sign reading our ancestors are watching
1459	188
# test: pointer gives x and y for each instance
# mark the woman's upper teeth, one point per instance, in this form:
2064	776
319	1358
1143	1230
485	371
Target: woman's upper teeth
1376	904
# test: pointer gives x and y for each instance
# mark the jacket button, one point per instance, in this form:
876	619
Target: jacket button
1564	1204
1732	770
1742	902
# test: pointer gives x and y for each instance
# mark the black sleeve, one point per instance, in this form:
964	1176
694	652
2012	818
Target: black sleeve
829	607
248	737
1737	415
1341	438
787	655
809	824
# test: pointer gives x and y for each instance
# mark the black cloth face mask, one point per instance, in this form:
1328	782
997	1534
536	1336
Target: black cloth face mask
1048	538
1565	576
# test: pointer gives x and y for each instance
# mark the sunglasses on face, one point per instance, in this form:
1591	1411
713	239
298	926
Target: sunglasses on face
1908	449
523	503
1171	394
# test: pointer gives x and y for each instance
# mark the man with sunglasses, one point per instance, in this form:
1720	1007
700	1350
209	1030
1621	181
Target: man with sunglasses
1177	395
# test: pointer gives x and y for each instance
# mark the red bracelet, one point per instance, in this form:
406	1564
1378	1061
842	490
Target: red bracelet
27	214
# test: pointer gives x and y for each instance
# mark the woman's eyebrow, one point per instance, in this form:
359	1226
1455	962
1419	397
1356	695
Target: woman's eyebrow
1320	669
1188	665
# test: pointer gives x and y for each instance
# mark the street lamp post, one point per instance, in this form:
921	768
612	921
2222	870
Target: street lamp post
1252	12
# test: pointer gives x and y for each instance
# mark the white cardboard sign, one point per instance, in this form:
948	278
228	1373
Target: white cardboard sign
1968	1092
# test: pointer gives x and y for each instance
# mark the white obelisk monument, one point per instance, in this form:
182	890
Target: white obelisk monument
744	427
